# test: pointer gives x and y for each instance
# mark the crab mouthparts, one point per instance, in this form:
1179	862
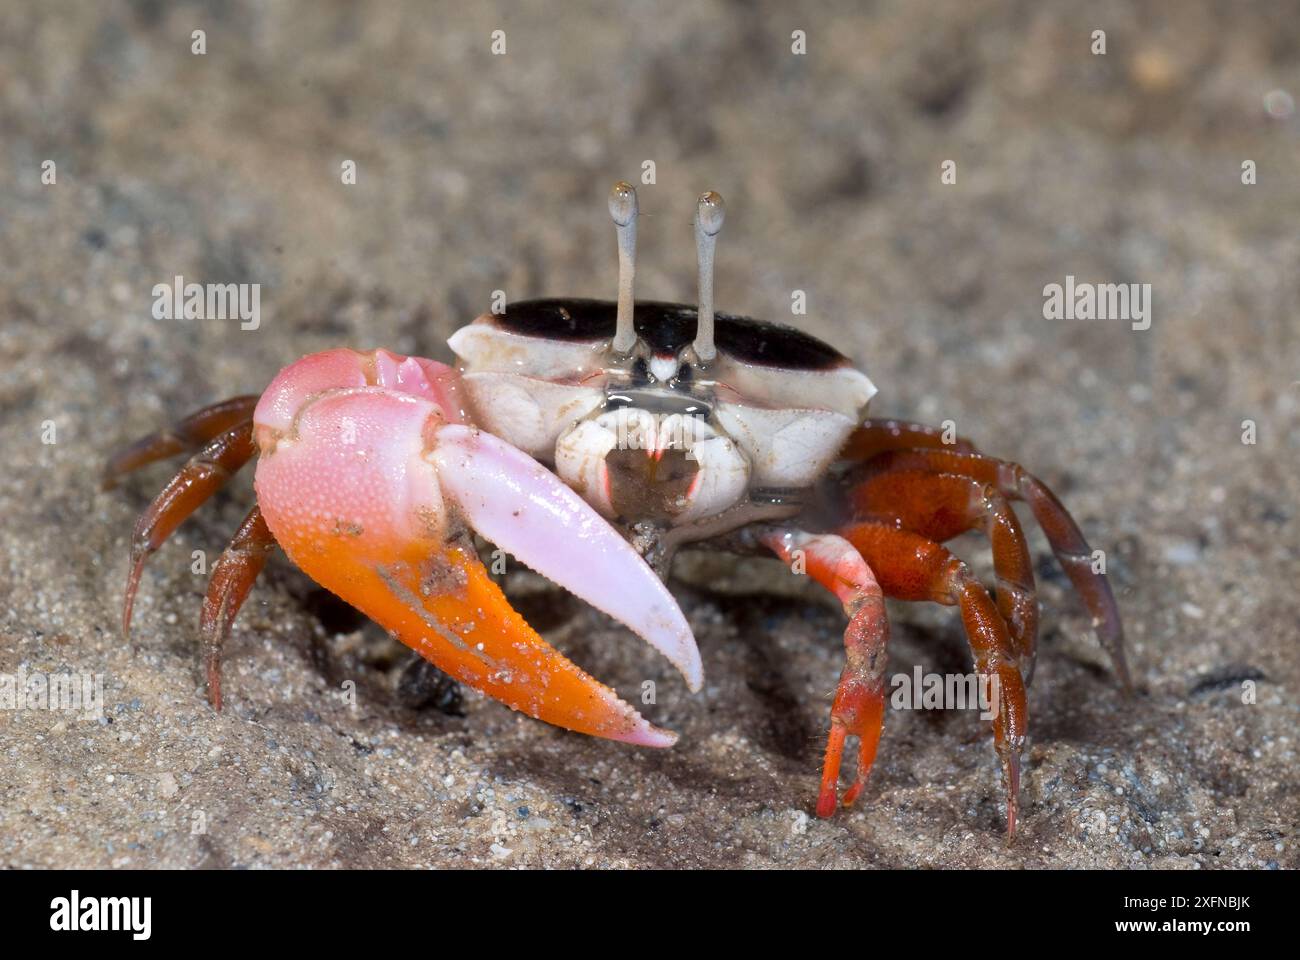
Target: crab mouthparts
656	484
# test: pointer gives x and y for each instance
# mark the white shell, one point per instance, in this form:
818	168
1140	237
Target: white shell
771	428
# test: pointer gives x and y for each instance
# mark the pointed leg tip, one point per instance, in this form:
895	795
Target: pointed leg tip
128	598
1013	794
1124	676
826	804
214	687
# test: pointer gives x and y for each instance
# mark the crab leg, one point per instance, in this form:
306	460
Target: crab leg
1063	534
371	491
859	707
184	436
203	475
877	436
910	567
940	506
232	577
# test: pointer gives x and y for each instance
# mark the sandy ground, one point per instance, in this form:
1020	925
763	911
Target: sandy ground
479	172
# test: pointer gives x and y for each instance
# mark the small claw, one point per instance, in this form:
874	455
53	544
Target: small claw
859	710
512	500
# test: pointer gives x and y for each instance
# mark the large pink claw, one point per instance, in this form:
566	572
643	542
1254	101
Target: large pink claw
369	477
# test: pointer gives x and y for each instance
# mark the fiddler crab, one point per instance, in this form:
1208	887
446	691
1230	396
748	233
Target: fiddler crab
592	439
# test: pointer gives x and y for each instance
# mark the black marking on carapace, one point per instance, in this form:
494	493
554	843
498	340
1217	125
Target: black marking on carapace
668	327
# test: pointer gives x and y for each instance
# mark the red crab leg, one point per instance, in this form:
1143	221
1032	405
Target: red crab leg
910	567
876	436
184	436
859	707
1063	534
940	506
203	475
370	490
232	578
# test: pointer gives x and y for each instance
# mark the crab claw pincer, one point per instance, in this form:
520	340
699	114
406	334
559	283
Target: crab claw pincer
370	477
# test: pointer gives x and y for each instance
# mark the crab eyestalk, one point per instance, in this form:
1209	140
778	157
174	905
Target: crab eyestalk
623	209
709	215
